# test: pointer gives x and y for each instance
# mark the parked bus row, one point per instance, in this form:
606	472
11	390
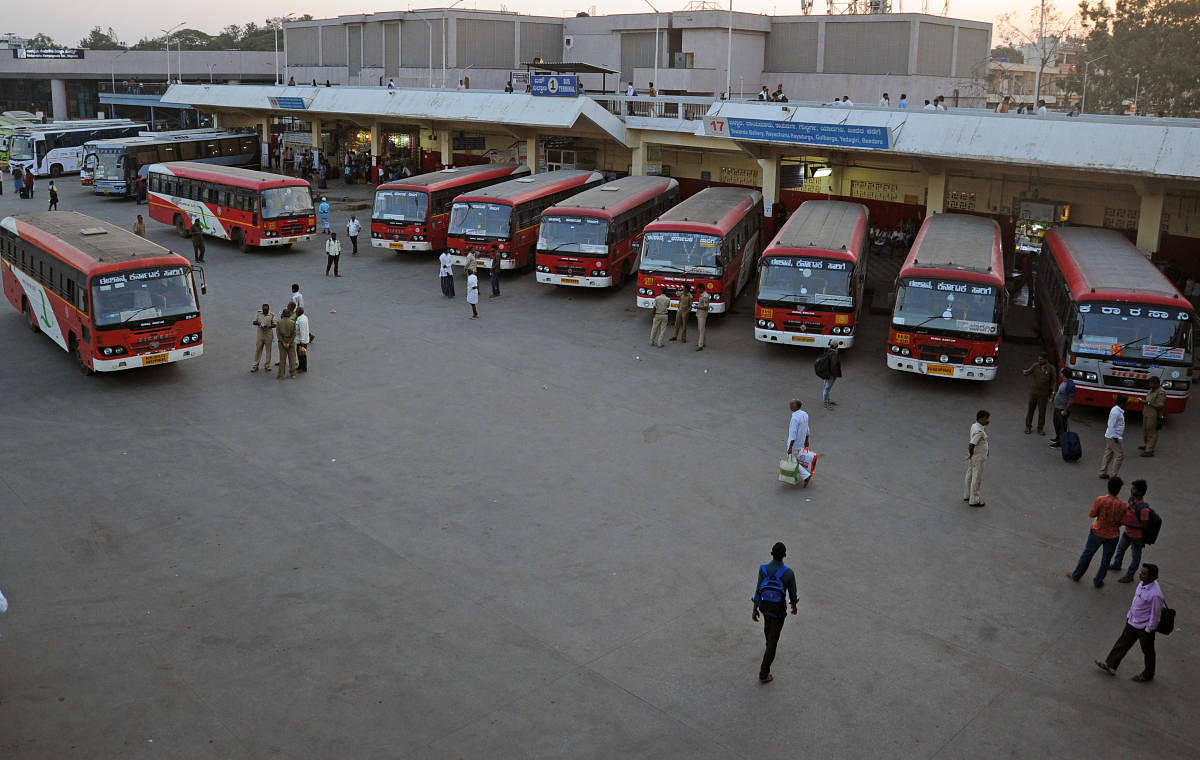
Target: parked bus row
77	126
114	164
57	149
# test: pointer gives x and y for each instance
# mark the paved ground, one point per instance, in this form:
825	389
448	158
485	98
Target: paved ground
535	536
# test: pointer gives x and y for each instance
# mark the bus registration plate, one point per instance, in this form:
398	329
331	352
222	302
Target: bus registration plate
395	245
154	359
570	281
939	369
802	339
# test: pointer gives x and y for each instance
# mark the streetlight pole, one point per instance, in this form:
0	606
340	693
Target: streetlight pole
657	35
1083	98
456	2
729	54
113	72
1136	88
167	32
277	25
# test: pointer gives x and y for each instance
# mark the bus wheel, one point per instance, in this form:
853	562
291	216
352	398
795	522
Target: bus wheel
181	226
239	239
29	319
84	369
56	170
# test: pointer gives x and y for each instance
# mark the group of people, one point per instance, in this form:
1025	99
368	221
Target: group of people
1007	104
290	330
446	278
24	183
764	96
688	302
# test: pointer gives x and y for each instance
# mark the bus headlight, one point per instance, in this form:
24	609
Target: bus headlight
716	296
989	360
418	237
770	325
602	273
1179	385
979	360
503	254
376	235
1166	384
905	352
894	349
1091	377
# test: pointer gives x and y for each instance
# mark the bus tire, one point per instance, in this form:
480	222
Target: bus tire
84	369
239	239
29	318
56	170
181	226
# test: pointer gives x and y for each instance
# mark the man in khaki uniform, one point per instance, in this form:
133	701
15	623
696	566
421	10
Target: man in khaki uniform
658	328
264	321
1152	413
977	454
1041	389
285	330
702	306
681	315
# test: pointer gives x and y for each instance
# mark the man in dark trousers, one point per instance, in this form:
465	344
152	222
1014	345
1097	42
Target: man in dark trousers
775	579
197	233
1140	624
833	370
1041	388
1137	516
681	314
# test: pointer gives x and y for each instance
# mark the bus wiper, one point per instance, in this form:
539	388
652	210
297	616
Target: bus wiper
556	247
1138	340
667	268
139	311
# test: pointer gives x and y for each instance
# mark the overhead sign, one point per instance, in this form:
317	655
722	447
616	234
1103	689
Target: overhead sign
290	103
555	84
809	133
48	53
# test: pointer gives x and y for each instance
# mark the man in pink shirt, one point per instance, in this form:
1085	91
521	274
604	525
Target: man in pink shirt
1140	624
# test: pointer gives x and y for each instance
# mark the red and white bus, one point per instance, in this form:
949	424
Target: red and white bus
811	277
1113	319
588	240
413	214
249	207
111	298
505	217
709	241
950	300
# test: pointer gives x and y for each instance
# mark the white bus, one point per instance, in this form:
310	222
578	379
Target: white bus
56	149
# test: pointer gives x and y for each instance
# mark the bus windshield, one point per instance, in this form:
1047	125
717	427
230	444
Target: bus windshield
792	279
123	297
1134	332
279	202
489	220
573	234
110	164
681	252
401	205
947	305
21	149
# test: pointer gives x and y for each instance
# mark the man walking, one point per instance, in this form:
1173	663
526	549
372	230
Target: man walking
352	229
473	294
1107	513
303	337
833	370
323	213
977	454
265	322
197	233
681	314
1137	516
333	254
297	296
702	305
1041	388
658	327
53	197
285	331
1114	453
798	431
776	584
446	274
1140	624
495	275
1152	416
1062	405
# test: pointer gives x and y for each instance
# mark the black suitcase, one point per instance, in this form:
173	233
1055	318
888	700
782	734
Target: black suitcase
1069	443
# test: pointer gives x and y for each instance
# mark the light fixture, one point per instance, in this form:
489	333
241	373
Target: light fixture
822	171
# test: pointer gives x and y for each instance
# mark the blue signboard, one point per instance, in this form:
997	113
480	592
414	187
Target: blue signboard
832	135
294	104
554	84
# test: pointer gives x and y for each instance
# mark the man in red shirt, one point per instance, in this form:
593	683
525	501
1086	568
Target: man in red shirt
1137	514
1107	513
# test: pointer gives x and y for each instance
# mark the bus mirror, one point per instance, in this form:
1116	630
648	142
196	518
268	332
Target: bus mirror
636	245
891	299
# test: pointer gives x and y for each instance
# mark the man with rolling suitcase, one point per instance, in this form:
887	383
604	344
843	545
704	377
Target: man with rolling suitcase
1062	405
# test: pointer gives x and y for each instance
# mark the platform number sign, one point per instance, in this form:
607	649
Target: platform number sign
717	127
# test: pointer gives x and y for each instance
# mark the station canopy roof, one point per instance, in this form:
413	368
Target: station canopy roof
569	67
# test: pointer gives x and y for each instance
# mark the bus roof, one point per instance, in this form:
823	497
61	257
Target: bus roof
454	176
955	245
165	139
517	191
82	126
834	227
87	243
1101	264
227	175
612	198
714	210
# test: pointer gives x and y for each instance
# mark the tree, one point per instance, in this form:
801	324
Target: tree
40	41
1046	31
1155	39
100	40
1011	53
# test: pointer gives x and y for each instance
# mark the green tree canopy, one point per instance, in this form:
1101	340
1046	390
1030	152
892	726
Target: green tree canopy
41	41
233	37
97	39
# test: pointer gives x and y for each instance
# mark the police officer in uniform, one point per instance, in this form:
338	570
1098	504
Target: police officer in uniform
285	331
681	314
197	233
702	306
658	328
1152	414
265	322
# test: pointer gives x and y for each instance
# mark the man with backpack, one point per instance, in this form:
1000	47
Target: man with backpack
829	368
1141	528
776	584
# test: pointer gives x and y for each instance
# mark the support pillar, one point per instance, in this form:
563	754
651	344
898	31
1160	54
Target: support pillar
316	141
935	194
637	160
447	146
531	156
770	183
154	126
1150	213
58	99
265	130
376	143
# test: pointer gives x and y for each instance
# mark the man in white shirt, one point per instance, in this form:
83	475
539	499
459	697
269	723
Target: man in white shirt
977	453
885	102
1041	109
928	106
473	294
847	102
297	296
763	95
446	274
1114	451
798	433
352	229
303	338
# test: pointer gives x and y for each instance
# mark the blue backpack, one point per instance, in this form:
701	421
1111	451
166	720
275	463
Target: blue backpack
771	589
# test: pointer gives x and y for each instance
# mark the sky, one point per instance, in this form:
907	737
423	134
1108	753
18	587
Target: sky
68	21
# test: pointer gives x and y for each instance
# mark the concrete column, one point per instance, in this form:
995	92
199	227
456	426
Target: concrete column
770	183
914	31
935	194
58	98
1150	221
316	140
445	142
264	127
637	160
821	46
531	153
376	142
954	54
